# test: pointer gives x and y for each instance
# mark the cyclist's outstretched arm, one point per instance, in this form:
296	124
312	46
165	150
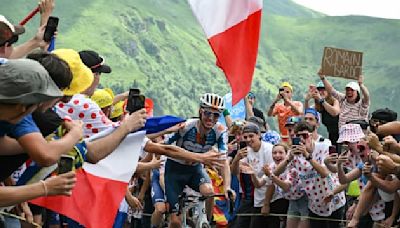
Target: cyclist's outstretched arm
210	158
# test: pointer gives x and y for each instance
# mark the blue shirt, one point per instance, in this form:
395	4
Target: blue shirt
24	127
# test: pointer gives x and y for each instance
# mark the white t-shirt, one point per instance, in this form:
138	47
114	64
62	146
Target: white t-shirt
279	193
257	160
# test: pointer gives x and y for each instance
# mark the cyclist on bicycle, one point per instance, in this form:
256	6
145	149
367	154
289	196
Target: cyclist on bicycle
199	136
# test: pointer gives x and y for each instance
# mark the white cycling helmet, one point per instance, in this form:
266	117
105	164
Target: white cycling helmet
212	100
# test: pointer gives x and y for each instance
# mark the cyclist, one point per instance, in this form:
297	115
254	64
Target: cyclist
199	136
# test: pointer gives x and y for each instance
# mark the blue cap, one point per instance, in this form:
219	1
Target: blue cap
312	111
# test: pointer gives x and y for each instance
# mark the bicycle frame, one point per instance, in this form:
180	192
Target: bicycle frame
199	204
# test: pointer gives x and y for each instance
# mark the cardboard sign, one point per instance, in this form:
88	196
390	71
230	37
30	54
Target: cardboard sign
341	63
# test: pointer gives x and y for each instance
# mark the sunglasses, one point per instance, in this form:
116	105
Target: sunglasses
321	88
10	41
215	115
303	135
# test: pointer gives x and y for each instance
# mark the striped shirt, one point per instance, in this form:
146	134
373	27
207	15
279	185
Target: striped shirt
349	112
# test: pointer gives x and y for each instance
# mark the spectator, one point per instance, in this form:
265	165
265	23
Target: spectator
267	135
250	109
56	185
97	65
349	167
289	125
77	105
328	107
256	154
6	50
381	117
9	35
354	105
286	109
274	201
117	111
104	99
25	84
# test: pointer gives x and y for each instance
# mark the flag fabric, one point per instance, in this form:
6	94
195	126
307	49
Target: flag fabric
232	28
160	123
100	187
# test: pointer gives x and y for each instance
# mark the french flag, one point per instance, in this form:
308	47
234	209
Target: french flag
100	187
232	28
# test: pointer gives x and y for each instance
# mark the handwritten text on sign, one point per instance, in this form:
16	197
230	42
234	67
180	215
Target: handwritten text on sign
342	63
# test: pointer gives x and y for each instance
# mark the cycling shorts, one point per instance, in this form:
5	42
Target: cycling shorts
177	176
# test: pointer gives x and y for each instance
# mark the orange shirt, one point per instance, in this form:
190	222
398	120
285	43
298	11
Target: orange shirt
283	113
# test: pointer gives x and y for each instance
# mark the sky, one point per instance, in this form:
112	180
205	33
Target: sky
374	8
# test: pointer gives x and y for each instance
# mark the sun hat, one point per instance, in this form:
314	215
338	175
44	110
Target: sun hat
117	110
103	97
25	81
350	133
82	76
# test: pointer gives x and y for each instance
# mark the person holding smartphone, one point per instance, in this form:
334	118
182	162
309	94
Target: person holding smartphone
325	195
286	109
255	153
327	106
350	165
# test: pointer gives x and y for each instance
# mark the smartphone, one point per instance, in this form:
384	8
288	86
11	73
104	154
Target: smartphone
51	28
332	149
231	138
341	148
65	164
242	145
135	101
296	141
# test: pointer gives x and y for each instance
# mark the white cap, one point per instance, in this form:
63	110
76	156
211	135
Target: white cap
353	86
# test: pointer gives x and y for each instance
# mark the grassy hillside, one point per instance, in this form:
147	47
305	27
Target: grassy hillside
158	46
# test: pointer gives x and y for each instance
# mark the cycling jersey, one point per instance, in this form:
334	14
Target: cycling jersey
189	138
